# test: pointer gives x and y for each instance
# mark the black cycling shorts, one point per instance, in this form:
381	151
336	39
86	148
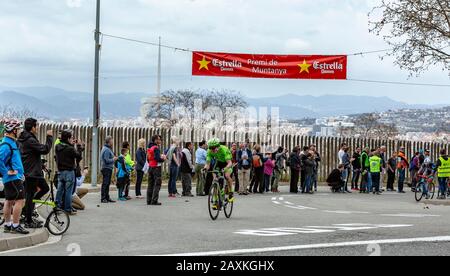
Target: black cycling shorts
14	190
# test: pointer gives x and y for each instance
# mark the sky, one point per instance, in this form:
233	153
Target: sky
51	43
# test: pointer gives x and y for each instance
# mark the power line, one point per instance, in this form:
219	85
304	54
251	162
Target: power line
401	83
146	42
188	50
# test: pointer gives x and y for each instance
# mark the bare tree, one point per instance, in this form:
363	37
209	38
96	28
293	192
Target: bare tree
179	107
418	31
369	126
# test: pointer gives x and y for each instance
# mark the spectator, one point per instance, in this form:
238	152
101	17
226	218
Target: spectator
280	160
155	160
187	169
174	159
269	166
443	171
80	192
308	165
391	169
414	168
123	174
200	162
235	175
31	151
295	166
317	160
303	157
68	154
244	158
12	172
258	165
334	180
375	171
129	163
341	153
107	159
365	172
402	166
382	150
356	168
141	161
346	161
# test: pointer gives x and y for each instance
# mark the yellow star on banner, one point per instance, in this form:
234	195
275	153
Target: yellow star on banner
203	63
304	67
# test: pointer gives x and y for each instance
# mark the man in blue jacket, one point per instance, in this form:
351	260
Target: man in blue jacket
11	169
107	160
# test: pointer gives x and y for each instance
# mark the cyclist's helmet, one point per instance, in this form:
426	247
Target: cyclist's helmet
12	125
214	143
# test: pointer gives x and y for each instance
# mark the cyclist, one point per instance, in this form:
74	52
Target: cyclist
11	168
223	157
426	172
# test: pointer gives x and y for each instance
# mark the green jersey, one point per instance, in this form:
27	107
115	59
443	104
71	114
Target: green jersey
223	155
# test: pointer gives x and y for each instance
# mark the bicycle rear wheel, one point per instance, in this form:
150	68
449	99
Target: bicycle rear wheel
214	201
419	193
57	222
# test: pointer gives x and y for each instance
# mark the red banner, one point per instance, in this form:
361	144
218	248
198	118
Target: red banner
269	66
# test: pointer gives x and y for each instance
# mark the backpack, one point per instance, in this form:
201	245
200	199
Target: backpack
257	163
9	159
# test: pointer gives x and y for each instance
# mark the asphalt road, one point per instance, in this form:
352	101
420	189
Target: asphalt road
321	224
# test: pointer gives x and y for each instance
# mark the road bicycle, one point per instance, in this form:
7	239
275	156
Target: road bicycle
57	221
425	187
218	200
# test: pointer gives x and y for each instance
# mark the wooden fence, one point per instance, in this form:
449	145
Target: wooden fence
328	147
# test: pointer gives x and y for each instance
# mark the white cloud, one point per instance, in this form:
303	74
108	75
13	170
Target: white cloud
45	43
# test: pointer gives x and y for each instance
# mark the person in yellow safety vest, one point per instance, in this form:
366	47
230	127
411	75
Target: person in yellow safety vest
443	172
375	171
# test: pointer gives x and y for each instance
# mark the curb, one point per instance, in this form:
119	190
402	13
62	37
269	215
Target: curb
437	202
12	242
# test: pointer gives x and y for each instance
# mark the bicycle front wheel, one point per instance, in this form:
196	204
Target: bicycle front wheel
431	190
214	201
419	193
2	220
57	222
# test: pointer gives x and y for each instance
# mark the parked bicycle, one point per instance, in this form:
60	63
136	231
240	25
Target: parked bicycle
57	221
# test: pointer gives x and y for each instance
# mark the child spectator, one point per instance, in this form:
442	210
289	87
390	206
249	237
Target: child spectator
123	174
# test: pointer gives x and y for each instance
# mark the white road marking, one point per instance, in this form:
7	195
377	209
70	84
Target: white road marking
345	212
314	246
276	202
289	203
295	207
409	215
281	198
285	231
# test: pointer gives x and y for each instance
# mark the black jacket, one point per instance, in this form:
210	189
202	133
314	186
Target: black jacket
31	151
335	177
295	162
141	158
67	157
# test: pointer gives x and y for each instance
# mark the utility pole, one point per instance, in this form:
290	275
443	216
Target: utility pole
96	115
158	86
